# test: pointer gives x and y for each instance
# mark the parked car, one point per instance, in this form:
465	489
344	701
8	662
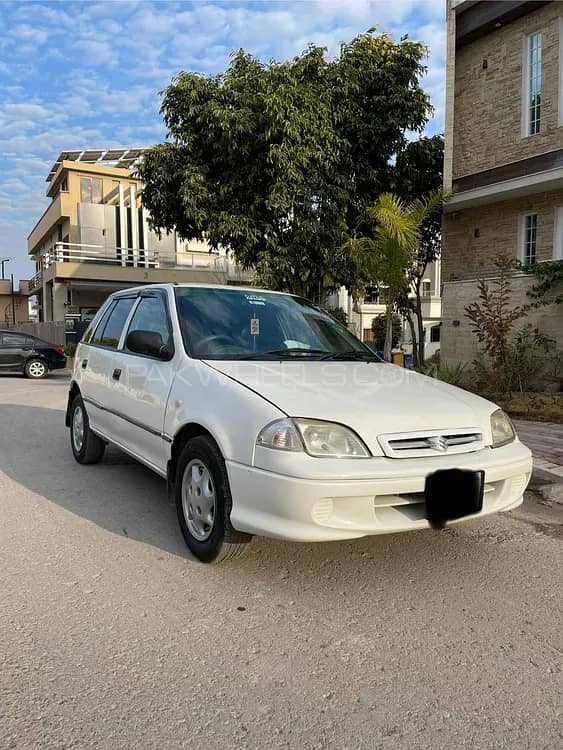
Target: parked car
267	416
29	355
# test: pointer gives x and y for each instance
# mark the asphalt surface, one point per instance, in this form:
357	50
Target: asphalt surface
111	637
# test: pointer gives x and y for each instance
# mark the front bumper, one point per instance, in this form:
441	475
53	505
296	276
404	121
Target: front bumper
390	500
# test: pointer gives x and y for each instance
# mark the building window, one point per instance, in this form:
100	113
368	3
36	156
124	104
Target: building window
435	334
533	83
529	238
90	190
426	288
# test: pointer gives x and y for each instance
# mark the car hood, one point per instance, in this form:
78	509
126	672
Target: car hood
370	397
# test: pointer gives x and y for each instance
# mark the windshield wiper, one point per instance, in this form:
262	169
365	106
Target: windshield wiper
352	354
295	352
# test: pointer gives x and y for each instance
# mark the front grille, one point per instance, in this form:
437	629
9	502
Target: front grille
431	443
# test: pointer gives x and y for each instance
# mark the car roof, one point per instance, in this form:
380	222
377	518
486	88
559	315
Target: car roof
191	285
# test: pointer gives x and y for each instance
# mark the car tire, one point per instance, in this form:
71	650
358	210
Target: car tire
203	503
36	369
87	447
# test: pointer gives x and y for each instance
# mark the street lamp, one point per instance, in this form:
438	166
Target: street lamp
2	261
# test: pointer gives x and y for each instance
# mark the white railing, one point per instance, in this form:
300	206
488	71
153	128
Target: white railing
70	252
127	257
36	280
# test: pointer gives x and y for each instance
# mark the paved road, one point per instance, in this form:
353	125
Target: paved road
110	637
545	440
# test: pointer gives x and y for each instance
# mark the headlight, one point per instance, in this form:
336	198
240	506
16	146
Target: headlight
320	439
501	428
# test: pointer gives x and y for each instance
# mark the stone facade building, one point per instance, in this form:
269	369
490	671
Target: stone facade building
503	155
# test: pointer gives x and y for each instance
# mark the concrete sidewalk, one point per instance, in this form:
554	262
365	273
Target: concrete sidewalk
545	440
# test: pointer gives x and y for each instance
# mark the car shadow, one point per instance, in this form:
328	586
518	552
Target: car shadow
125	498
118	494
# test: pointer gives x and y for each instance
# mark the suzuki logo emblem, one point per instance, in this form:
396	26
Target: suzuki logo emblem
438	443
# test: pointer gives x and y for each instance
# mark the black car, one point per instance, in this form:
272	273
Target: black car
28	355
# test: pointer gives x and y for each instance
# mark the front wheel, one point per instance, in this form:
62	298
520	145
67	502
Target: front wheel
35	369
87	447
203	503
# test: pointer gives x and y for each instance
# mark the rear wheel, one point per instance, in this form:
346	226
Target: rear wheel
35	369
203	503
87	447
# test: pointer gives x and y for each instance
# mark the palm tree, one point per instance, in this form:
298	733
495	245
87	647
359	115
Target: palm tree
386	259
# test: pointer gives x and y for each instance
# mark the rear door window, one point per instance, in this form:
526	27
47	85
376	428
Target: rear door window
115	323
99	328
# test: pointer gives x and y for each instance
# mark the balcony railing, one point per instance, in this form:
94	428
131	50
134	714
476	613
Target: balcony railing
126	257
68	252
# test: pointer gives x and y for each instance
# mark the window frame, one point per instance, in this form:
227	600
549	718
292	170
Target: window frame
558	233
527	81
163	297
522	237
103	319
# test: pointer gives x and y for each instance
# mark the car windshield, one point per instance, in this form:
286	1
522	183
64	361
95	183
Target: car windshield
256	325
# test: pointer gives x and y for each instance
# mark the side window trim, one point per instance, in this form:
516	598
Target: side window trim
162	296
95	324
102	323
117	300
127	325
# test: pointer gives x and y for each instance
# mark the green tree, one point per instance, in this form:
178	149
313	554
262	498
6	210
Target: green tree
379	327
386	259
338	314
418	171
278	162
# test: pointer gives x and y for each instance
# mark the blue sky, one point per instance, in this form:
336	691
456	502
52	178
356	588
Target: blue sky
87	75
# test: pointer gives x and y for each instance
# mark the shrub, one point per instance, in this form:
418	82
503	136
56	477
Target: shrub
448	373
70	349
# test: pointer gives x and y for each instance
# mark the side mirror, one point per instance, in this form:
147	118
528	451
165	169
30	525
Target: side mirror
148	343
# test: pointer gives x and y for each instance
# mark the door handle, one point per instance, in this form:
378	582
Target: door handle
84	363
116	374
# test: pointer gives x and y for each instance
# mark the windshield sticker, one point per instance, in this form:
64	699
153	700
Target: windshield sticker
254	326
255	299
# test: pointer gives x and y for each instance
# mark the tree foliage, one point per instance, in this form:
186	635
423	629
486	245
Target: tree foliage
418	171
548	289
278	162
386	259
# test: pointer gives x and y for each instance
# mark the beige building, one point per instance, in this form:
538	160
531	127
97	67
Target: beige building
14	303
503	154
94	238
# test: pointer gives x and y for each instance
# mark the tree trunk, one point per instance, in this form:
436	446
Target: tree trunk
410	321
418	306
388	333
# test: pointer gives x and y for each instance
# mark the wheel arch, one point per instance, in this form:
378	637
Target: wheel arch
73	392
185	433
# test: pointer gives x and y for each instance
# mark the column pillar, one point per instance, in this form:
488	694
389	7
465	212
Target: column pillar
122	225
134	224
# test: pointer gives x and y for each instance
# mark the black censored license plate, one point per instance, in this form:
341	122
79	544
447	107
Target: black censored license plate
452	494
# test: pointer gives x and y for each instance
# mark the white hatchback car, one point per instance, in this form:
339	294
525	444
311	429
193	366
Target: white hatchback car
267	416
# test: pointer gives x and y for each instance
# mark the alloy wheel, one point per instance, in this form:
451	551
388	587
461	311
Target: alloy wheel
37	369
